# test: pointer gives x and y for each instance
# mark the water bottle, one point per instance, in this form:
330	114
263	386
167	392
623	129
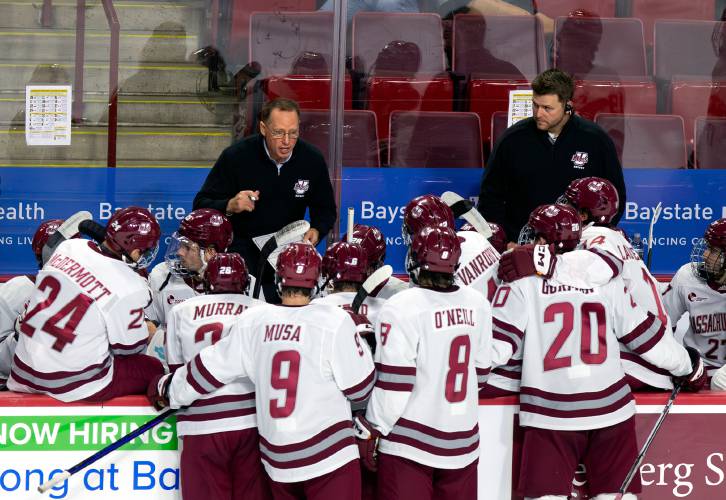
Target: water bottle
637	243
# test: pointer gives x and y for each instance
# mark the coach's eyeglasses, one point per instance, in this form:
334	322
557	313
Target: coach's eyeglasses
279	134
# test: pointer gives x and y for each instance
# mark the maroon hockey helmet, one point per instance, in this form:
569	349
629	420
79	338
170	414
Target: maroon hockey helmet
596	196
423	211
133	228
373	243
557	224
708	256
345	261
226	273
716	233
207	228
40	238
298	265
433	248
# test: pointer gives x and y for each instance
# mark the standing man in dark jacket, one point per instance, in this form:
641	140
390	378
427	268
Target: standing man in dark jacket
268	180
537	158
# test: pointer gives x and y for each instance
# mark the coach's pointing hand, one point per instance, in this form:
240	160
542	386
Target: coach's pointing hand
244	201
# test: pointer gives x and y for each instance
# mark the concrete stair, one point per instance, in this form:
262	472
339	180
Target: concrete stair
143	78
60	45
151	144
166	116
169	110
137	14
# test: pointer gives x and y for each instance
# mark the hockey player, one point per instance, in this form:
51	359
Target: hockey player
575	405
434	344
699	288
84	328
306	362
220	458
477	265
596	200
201	234
374	246
14	296
344	269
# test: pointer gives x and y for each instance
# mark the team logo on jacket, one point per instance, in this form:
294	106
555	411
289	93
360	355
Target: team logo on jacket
301	187
695	298
579	159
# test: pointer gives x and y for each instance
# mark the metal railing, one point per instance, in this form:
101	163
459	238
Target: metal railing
113	63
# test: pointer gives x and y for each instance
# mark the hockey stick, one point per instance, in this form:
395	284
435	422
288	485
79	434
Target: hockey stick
634	468
289	234
92	229
656	215
467	211
105	451
375	280
65	231
351	217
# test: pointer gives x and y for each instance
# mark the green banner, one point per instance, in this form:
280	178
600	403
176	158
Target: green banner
83	432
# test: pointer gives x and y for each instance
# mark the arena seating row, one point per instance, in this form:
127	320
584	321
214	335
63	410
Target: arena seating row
399	62
452	139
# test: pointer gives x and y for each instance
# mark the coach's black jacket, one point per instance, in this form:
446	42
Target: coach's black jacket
303	182
525	170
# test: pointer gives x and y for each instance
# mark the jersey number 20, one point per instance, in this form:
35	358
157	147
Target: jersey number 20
566	312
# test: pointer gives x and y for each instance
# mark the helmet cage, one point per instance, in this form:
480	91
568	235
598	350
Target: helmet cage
147	257
174	260
708	268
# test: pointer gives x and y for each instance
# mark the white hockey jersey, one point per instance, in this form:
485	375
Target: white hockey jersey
14	296
167	290
572	378
579	269
391	287
304	362
370	307
643	287
86	308
706	306
477	264
194	324
433	353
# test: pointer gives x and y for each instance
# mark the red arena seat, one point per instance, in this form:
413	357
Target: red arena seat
557	8
435	139
240	19
493	55
649	11
691	99
499	125
299	70
604	49
710	147
593	97
360	139
646	141
400	57
689	49
510	47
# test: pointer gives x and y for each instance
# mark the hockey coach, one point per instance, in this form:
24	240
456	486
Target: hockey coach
536	158
268	180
